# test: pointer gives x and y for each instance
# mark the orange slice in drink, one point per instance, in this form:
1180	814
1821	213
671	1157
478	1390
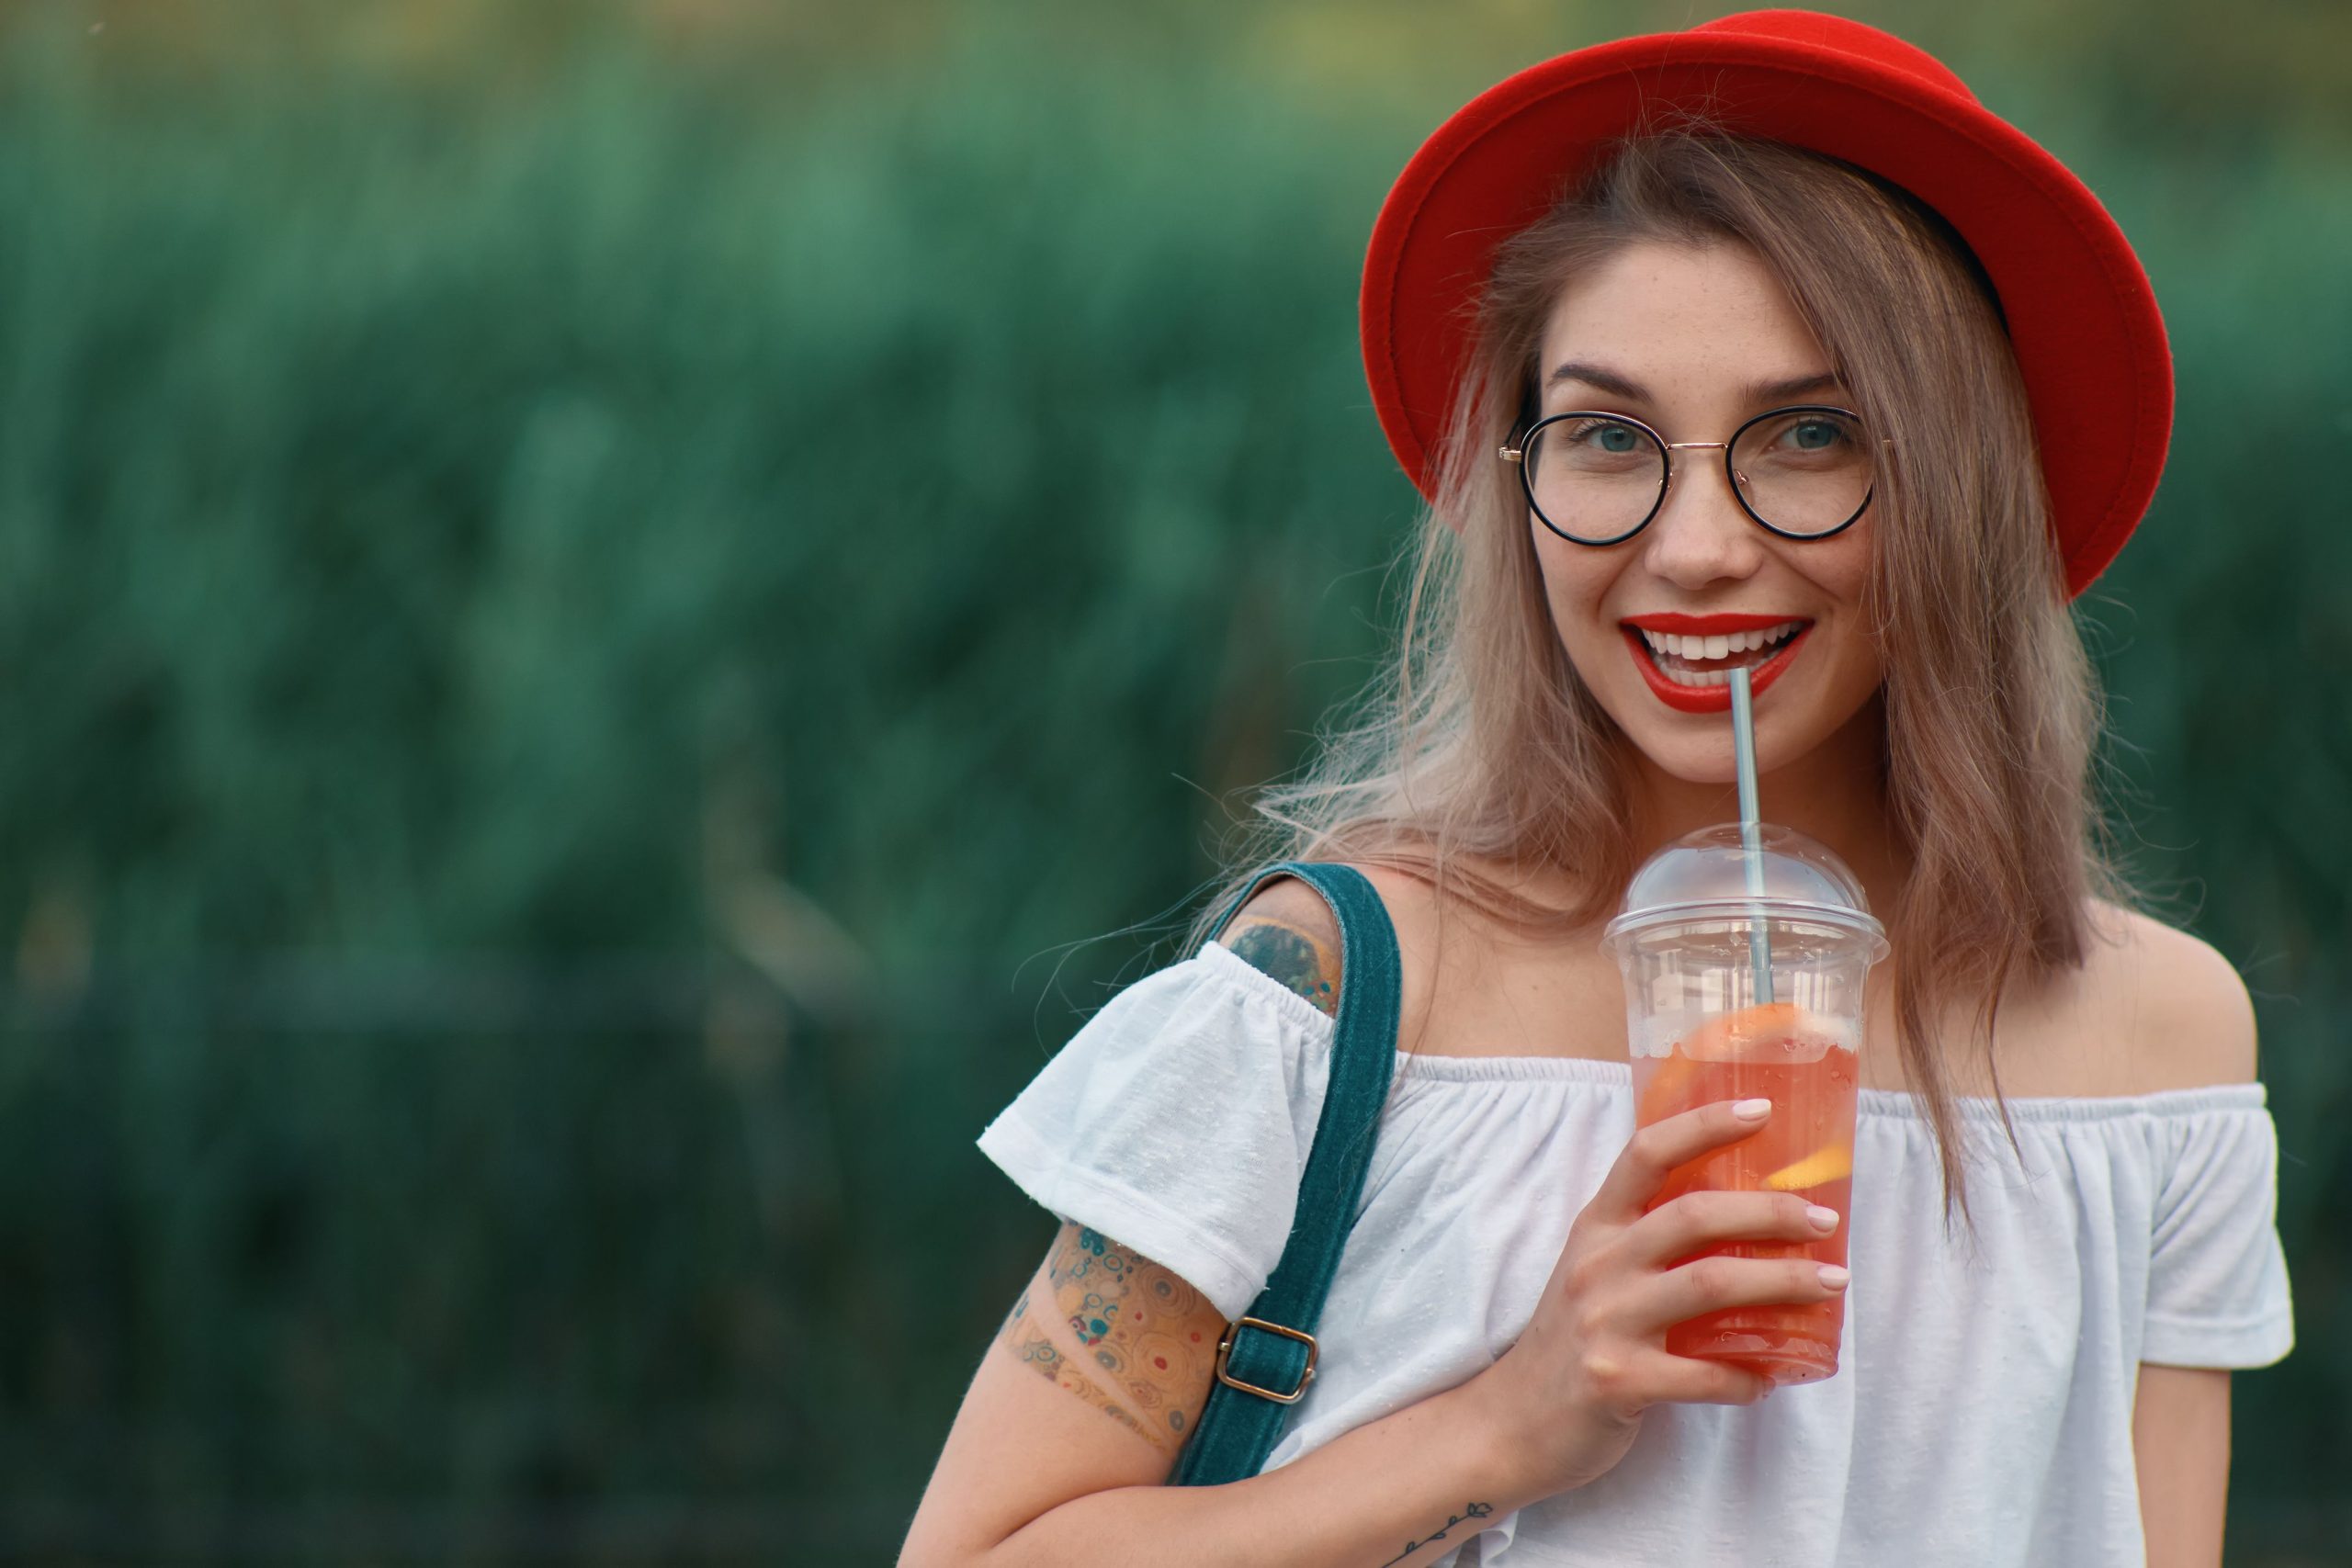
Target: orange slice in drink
1823	1165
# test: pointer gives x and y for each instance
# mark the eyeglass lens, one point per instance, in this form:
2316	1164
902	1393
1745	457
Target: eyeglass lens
1802	471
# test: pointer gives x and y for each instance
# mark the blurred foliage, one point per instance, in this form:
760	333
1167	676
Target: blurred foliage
600	600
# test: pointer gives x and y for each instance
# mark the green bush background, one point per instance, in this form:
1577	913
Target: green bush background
614	617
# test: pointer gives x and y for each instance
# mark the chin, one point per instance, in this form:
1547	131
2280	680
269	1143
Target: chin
1691	759
1798	719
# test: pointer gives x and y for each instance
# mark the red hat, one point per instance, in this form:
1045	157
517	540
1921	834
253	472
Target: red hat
2080	312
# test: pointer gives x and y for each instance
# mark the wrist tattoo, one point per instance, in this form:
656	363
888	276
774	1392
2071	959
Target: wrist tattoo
1469	1511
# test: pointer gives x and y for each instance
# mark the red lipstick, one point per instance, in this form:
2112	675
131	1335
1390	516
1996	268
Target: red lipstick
1708	699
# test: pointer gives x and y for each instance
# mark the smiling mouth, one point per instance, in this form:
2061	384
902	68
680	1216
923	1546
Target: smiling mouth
1698	662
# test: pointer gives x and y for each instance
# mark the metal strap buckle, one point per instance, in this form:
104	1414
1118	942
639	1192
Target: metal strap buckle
1225	1353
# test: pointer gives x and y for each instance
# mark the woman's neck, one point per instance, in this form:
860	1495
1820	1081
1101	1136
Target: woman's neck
1835	793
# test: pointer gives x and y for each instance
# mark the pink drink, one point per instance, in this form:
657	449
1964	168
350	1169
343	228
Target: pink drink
1806	1147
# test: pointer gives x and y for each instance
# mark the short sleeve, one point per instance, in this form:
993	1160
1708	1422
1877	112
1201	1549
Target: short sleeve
2217	1274
1177	1122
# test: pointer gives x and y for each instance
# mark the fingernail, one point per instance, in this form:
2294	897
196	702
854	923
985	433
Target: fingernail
1822	1219
1752	1109
1834	1278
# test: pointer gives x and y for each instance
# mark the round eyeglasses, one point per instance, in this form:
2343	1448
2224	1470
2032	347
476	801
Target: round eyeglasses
1595	477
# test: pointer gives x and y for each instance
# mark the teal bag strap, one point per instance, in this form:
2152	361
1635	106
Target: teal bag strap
1267	1356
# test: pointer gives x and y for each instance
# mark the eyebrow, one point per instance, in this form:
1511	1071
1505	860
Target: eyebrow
1755	393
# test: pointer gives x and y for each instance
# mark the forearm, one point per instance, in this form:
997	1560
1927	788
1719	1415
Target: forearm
1404	1490
2180	1438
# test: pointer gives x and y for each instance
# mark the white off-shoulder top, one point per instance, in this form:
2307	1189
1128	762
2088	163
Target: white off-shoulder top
1982	1414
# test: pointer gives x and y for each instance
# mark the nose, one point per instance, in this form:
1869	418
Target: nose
1701	536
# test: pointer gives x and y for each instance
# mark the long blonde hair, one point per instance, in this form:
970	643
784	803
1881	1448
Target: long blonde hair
1479	739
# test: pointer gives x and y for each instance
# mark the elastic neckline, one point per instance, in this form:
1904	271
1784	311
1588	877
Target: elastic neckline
1617	1077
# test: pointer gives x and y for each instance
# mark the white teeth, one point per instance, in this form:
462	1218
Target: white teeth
1696	648
1676	646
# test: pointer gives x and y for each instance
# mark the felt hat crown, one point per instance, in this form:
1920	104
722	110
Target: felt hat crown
2080	312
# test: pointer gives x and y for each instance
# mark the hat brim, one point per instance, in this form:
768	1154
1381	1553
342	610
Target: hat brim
2080	312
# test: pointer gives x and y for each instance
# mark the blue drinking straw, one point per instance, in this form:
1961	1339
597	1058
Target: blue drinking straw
1743	746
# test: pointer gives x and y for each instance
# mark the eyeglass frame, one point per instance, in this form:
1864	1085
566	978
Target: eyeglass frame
1515	451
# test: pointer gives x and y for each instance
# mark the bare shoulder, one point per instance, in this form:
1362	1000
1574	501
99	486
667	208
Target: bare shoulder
1466	988
1288	931
2176	1005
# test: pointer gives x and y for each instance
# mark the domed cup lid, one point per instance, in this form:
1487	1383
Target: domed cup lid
1705	876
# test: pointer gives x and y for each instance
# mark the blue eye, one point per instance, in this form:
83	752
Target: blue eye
1808	436
1606	435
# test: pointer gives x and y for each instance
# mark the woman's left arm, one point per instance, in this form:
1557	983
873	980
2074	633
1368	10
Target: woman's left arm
2181	1445
2188	1016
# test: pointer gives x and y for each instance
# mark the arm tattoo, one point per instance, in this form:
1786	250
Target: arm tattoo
1292	955
1469	1511
1151	1335
1030	1344
1140	1322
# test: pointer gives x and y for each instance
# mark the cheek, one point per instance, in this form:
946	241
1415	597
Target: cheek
1844	579
1860	669
1840	566
1572	583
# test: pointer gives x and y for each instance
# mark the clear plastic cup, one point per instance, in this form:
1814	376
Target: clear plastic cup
1701	1029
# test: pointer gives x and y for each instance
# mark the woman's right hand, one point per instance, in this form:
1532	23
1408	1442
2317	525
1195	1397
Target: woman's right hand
1568	1396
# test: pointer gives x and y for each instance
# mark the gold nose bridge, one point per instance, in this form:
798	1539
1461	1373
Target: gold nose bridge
1672	468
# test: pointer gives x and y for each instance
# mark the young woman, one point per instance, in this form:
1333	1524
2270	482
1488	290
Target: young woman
1674	263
